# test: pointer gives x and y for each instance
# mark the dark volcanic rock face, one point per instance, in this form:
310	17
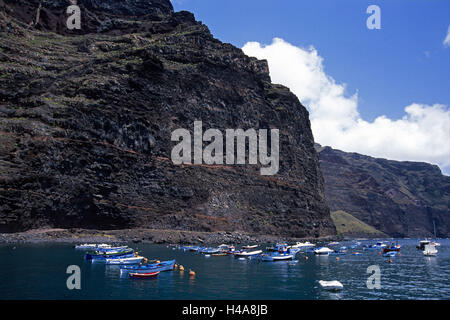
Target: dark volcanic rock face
401	199
86	122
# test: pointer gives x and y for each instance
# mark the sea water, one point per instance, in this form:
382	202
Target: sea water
38	271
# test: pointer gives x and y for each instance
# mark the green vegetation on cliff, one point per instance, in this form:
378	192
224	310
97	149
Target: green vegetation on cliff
349	226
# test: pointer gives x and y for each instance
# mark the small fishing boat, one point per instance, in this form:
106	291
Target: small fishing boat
333	243
392	247
125	261
354	246
430	250
303	245
98	255
323	251
422	244
390	254
92	246
113	249
147	275
250	246
154	267
356	253
277	247
241	254
377	246
211	250
331	285
342	251
276	257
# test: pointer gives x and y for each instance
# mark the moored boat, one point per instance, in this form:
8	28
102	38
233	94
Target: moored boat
92	246
303	245
377	246
341	251
160	267
430	250
392	247
125	261
98	255
276	257
210	250
241	254
250	246
331	285
390	254
323	251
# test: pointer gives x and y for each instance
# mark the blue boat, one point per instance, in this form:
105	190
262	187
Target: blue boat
377	246
154	267
210	250
390	254
98	255
278	247
342	251
112	249
276	256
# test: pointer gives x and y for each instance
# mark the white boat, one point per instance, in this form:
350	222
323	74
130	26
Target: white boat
331	285
324	251
253	246
280	257
247	253
430	250
333	243
303	245
125	261
92	246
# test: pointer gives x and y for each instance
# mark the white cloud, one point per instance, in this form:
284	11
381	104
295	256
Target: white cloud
422	134
447	38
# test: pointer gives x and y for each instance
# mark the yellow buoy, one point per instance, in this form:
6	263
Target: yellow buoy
337	258
157	261
181	268
306	258
390	261
191	273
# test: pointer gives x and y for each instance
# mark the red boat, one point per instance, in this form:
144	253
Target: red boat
148	275
392	247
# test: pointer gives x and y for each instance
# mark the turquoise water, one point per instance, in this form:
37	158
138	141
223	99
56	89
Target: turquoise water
39	272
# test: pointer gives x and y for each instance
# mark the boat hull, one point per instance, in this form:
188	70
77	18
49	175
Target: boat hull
157	267
104	256
277	258
148	275
247	254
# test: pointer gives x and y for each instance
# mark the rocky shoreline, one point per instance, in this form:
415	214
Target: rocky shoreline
142	236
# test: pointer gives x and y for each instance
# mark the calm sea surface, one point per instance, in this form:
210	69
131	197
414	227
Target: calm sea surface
39	272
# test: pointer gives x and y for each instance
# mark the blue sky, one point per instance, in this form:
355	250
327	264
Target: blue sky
404	63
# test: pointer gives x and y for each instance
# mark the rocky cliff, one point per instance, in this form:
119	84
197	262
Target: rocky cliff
86	118
401	199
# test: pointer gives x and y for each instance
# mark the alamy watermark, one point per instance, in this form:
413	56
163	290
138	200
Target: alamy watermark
235	146
374	20
374	280
74	19
74	280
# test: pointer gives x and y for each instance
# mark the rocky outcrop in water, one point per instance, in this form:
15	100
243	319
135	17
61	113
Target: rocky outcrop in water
401	199
86	118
